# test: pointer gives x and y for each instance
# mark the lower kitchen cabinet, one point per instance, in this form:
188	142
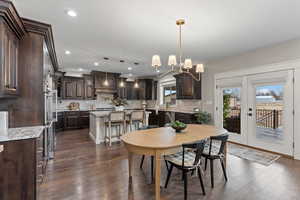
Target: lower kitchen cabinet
70	120
22	167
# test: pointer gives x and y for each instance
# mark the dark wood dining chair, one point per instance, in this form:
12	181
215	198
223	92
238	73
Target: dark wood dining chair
187	161
215	149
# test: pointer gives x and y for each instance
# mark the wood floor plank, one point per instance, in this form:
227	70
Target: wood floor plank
82	170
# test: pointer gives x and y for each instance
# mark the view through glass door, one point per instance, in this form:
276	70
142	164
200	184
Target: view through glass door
270	111
257	110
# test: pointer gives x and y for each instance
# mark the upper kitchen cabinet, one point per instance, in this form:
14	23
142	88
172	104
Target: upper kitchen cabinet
11	31
100	81
187	87
73	88
89	89
121	87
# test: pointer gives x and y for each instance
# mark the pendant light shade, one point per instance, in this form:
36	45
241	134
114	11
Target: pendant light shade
156	61
199	68
188	63
172	60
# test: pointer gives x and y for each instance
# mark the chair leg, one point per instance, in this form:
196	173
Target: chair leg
185	184
201	180
223	168
152	168
205	164
212	172
142	162
167	166
169	175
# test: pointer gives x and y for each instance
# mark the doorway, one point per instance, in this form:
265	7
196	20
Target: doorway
257	110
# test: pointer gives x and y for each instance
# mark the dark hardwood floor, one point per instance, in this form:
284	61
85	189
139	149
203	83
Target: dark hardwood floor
83	170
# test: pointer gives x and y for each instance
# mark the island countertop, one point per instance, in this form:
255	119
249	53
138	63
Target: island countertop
21	133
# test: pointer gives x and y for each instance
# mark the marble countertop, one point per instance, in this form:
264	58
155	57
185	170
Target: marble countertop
173	110
95	110
21	133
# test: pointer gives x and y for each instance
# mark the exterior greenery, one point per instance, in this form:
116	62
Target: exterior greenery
203	117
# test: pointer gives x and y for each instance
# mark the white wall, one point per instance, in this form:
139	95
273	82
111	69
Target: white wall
279	53
283	52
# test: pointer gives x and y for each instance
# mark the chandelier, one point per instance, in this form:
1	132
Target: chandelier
181	67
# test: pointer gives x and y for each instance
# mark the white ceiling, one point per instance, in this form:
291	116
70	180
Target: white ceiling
134	30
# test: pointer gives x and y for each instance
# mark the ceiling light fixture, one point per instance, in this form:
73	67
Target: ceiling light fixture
96	63
129	68
181	67
122	83
106	81
136	84
67	52
72	13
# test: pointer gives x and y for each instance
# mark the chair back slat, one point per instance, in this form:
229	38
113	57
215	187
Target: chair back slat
137	115
223	139
197	147
116	116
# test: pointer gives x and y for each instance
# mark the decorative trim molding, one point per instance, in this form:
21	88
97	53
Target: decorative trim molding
10	15
46	31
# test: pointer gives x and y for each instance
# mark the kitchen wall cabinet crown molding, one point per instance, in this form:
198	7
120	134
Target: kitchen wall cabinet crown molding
10	15
46	31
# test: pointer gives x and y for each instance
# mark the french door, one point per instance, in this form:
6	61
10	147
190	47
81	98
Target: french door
257	110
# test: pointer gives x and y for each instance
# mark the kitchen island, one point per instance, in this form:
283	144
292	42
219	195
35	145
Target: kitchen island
97	124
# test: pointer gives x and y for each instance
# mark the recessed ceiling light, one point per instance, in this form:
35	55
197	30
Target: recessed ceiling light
80	69
67	52
106	58
136	63
122	61
96	63
157	71
72	13
129	68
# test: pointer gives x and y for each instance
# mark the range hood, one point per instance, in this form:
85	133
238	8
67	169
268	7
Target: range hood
105	91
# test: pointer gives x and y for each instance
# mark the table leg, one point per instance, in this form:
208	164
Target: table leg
157	175
130	164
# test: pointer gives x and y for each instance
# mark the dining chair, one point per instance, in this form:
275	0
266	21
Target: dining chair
136	117
187	161
215	149
152	157
116	119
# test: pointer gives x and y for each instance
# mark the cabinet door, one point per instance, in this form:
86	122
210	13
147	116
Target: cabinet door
84	120
9	61
71	121
184	86
79	89
69	89
59	125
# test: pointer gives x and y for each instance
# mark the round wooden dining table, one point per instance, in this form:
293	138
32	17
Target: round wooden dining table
163	141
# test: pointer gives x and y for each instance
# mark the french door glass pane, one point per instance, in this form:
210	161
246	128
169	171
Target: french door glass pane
269	112
232	110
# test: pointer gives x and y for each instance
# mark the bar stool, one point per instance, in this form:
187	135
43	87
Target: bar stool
136	117
116	119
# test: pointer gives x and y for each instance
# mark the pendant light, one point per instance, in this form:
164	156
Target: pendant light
106	81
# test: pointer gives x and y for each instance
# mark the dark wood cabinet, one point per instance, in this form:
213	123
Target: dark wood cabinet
132	93
73	88
22	168
9	58
71	120
187	87
59	125
89	89
84	120
155	90
187	118
121	89
76	120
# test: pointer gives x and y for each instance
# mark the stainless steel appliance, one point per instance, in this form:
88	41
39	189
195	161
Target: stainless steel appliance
50	119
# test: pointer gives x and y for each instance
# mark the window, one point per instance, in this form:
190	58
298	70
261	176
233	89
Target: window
169	95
